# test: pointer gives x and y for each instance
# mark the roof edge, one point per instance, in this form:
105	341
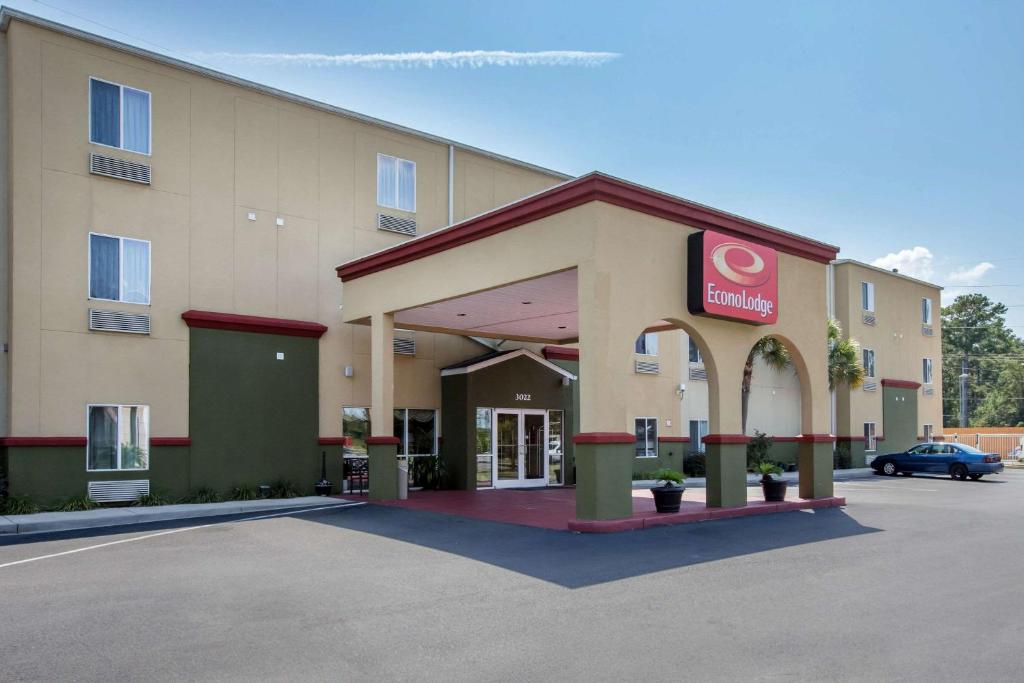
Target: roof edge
884	271
8	13
511	355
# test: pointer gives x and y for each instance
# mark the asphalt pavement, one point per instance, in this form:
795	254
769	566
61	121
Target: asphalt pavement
917	579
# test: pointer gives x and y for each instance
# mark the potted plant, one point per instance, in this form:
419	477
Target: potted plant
668	495
774	489
323	487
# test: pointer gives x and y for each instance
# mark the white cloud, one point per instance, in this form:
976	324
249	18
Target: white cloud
970	276
915	262
473	59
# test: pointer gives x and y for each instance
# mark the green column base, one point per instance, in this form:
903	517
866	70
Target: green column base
383	471
604	481
726	475
816	470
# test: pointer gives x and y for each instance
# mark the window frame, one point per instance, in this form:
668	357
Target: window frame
120	266
120	407
869	289
692	346
928	430
404	446
397	162
647	446
871	441
863	358
927	370
347	451
646	337
120	117
699	446
927	307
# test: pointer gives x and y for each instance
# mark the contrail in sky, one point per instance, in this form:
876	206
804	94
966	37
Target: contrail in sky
472	59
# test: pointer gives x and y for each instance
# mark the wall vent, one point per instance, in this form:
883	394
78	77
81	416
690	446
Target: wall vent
698	375
869	318
118	321
118	491
870	386
403	226
404	347
928	391
112	167
927	331
647	367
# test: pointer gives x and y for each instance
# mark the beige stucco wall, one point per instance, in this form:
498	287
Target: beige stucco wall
898	342
614	305
219	152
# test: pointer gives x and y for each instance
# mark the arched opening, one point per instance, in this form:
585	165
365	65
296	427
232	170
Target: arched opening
771	402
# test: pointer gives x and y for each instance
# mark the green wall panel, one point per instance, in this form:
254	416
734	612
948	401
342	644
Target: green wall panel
899	419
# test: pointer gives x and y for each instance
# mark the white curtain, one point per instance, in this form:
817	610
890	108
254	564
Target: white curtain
135	106
135	272
387	173
406	185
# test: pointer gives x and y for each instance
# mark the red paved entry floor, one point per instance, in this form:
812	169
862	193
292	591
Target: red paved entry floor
555	508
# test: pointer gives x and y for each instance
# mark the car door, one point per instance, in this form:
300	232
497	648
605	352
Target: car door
915	459
939	458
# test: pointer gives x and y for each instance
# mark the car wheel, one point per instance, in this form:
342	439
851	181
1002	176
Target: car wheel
976	477
958	472
890	469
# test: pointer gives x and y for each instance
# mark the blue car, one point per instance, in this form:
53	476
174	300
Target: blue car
956	460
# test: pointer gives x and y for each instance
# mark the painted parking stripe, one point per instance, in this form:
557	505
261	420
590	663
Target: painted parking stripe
176	531
875	487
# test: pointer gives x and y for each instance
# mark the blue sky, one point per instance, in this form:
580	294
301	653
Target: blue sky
877	126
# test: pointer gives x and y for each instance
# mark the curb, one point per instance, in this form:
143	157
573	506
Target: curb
755	479
43	522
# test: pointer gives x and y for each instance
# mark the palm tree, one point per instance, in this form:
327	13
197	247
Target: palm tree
774	354
844	364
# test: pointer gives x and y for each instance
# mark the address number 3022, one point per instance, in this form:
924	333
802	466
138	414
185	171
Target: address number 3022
523	397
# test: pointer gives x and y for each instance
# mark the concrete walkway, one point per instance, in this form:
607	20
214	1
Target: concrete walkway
42	522
755	479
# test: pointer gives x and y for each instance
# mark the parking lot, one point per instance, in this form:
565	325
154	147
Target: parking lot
917	579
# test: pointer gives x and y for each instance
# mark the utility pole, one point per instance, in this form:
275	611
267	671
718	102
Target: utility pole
963	392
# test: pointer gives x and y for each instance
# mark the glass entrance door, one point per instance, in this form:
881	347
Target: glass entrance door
520	443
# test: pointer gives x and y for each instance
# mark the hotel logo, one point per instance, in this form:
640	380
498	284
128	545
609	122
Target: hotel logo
732	278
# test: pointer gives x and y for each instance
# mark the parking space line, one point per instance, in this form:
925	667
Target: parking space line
895	487
175	531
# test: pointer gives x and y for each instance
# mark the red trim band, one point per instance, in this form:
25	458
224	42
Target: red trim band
589	188
849	438
901	384
673	439
43	441
816	438
252	323
784	439
383	441
560	353
604	437
170	441
727	438
335	441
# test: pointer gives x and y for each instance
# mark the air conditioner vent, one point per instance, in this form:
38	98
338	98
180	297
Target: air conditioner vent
928	391
405	347
112	167
870	386
647	367
118	321
869	318
927	331
118	491
698	374
403	226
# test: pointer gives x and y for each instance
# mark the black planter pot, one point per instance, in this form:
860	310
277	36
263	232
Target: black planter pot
323	489
667	498
774	490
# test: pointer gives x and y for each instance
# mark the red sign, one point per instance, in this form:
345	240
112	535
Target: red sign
732	278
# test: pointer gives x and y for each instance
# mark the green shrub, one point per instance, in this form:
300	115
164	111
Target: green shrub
768	467
695	465
244	492
669	476
77	504
18	505
757	449
841	458
151	499
203	494
282	488
428	471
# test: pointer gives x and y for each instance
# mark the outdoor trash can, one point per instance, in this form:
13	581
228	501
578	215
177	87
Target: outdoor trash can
403	478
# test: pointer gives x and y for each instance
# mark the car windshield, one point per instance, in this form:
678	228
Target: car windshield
970	449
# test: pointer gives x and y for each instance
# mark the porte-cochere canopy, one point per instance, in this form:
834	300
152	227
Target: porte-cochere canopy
594	261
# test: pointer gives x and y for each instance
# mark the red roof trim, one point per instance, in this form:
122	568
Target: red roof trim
727	438
383	441
43	441
560	353
335	441
901	384
589	188
816	438
604	437
252	323
673	439
170	441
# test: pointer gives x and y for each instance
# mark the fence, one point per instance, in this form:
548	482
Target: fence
1008	446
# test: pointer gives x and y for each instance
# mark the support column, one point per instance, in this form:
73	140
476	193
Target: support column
726	463
815	465
382	445
604	470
